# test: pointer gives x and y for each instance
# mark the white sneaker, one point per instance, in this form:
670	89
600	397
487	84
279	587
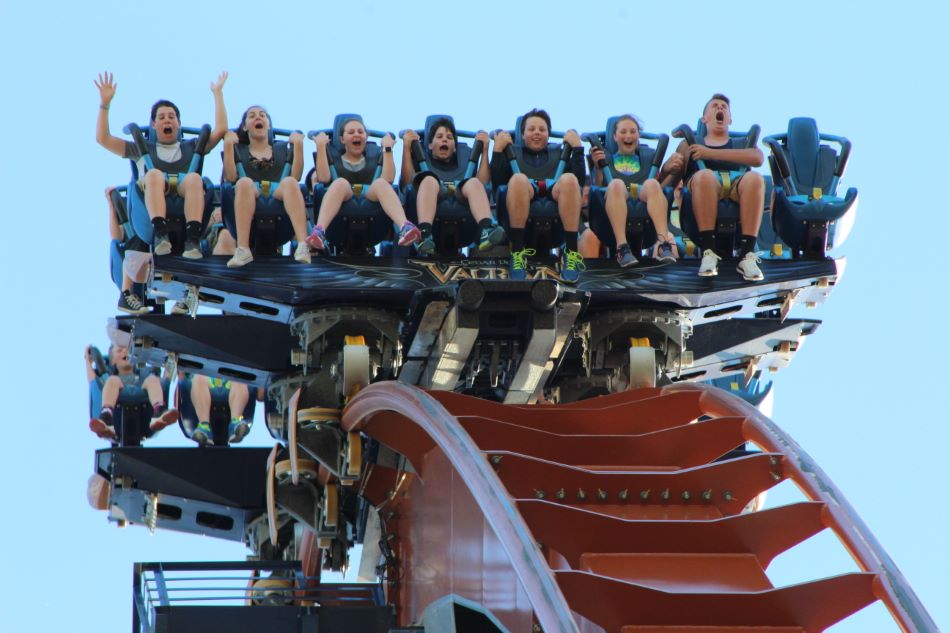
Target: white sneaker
302	254
241	257
749	267
710	264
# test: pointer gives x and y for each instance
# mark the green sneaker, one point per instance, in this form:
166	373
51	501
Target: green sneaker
572	263
517	270
237	429
202	434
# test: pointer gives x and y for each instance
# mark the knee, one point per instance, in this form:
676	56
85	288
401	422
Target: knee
192	182
339	185
752	181
151	381
381	188
290	187
474	189
114	382
616	189
519	183
569	184
199	382
704	178
651	188
429	185
244	186
155	178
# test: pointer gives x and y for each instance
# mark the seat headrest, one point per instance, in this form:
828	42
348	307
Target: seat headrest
338	122
432	118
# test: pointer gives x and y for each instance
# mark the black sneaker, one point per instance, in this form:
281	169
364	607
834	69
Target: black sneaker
192	250
131	304
624	256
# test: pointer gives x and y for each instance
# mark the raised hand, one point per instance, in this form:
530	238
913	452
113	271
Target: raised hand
409	136
230	138
106	88
216	86
482	136
295	138
387	140
321	139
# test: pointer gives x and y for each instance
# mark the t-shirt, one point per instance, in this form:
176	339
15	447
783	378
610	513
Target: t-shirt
626	164
357	166
168	152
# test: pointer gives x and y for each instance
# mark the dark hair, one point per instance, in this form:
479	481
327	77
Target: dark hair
164	103
241	130
541	114
350	120
718	96
445	122
626	117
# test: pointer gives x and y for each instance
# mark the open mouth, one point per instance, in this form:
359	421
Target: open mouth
720	116
443	148
259	126
167	129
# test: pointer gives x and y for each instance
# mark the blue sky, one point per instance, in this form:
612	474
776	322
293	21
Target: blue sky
861	397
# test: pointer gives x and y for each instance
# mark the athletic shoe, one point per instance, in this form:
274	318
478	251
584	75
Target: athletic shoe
491	236
409	234
426	247
624	256
241	257
130	303
192	250
749	267
180	307
709	267
103	430
237	429
162	245
317	239
572	263
202	434
301	253
517	269
163	417
664	253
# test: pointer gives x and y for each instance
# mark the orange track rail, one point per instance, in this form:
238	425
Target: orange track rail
610	514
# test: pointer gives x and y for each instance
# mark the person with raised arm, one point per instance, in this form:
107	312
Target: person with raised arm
170	155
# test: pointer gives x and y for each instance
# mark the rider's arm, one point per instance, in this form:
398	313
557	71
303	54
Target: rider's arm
407	170
220	113
296	167
230	163
750	156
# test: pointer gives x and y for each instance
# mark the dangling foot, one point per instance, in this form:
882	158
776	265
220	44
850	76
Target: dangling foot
572	263
409	234
624	255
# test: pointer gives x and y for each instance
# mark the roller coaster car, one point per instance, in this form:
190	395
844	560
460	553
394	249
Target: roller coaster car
544	230
728	226
193	150
453	226
361	223
118	202
807	212
271	227
640	230
220	410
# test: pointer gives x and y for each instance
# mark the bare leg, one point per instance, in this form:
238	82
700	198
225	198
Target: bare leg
201	397
518	200
338	192
237	399
153	387
705	187
567	193
616	206
474	192
588	245
193	191
110	391
751	200
427	199
289	193
245	203
383	193
155	193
